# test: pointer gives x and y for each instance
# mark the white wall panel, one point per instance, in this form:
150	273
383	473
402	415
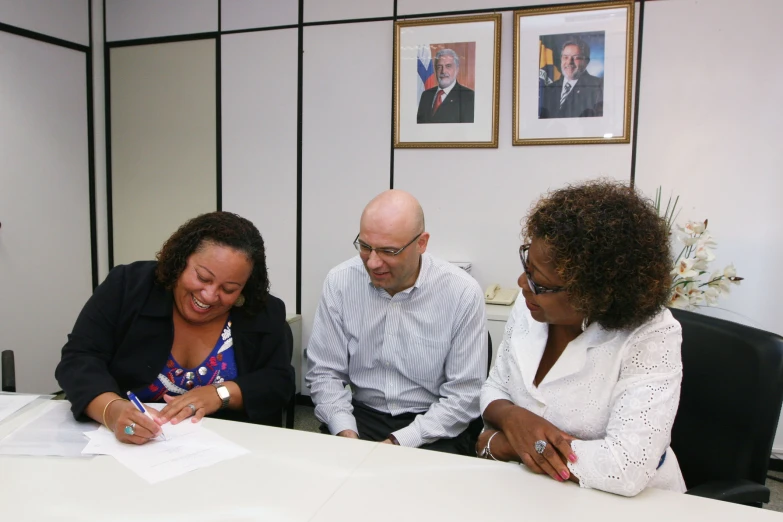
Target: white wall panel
474	199
65	19
163	135
346	140
132	19
248	14
320	10
405	7
45	266
259	87
711	136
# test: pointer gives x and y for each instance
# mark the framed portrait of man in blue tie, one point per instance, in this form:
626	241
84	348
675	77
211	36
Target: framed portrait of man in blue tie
573	74
446	82
574	87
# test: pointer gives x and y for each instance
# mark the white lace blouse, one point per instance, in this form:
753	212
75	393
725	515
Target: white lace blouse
616	391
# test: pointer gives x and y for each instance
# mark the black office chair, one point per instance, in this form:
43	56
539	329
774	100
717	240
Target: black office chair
291	406
732	391
8	378
489	353
476	425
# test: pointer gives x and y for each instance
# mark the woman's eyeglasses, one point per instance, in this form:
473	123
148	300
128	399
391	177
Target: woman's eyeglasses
535	288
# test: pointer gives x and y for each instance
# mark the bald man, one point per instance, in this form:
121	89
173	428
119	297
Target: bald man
407	331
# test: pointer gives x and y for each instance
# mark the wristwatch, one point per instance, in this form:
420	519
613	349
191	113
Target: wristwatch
222	392
486	452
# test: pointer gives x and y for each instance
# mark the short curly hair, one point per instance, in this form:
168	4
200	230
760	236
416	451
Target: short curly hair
610	247
220	228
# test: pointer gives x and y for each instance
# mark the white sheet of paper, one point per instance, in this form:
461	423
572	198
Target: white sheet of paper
11	403
109	442
54	432
173	430
188	447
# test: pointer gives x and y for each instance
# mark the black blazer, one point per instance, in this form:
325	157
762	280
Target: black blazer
585	100
124	334
457	107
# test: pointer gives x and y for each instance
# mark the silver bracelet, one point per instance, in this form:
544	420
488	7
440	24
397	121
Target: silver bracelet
487	451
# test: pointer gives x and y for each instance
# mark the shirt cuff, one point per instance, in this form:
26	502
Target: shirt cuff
576	469
490	394
409	436
342	421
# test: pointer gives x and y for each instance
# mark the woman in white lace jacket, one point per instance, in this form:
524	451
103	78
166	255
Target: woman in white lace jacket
586	382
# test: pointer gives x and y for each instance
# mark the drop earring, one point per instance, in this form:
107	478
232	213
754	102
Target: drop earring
585	323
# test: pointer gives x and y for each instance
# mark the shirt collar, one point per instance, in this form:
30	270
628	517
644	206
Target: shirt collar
425	265
447	90
571	361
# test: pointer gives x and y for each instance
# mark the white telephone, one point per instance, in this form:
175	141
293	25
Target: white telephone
500	296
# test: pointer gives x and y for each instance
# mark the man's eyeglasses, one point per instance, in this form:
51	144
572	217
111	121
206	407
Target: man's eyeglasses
365	249
535	288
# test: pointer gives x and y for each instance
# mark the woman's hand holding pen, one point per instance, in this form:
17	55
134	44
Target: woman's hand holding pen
122	414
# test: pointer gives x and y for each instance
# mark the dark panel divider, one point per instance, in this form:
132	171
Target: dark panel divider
299	146
218	119
391	155
33	35
164	39
107	135
91	156
635	134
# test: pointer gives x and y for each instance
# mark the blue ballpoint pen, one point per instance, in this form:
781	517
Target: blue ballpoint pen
139	406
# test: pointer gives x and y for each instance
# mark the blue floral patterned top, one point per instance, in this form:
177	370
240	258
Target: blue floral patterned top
219	366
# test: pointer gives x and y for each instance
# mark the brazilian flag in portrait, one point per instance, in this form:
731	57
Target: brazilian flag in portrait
547	71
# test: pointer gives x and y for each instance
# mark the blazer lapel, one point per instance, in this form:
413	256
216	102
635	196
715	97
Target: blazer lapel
244	330
534	341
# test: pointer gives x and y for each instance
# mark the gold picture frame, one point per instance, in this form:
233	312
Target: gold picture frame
573	73
457	107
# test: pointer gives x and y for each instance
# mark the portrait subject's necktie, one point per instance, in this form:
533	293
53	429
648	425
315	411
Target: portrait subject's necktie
438	100
565	93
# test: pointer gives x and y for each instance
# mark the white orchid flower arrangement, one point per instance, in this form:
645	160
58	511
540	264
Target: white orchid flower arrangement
690	288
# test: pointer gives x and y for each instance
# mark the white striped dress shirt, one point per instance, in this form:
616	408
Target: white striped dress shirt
423	350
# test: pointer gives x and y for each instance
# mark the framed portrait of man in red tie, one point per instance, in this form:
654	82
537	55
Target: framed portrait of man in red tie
573	74
448	93
446	80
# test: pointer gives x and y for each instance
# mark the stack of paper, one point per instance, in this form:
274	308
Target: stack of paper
53	432
11	402
187	447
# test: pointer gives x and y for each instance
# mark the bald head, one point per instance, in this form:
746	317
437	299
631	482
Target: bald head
392	221
394	212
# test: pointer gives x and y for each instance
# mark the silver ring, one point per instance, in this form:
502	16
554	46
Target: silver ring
130	429
193	408
540	446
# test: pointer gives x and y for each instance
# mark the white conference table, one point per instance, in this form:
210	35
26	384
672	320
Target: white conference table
300	476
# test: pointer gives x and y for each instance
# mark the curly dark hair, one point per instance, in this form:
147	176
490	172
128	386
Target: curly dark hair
610	247
220	228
